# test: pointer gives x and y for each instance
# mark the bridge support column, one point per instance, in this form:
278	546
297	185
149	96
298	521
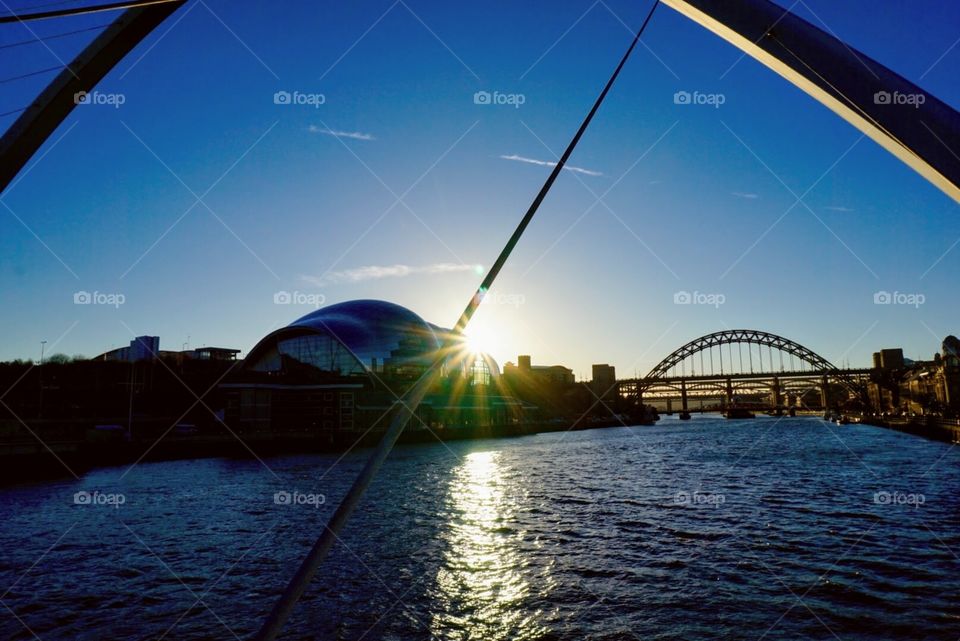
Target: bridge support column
824	395
729	392
777	399
684	412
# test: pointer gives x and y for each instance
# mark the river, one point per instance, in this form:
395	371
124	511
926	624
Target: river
708	529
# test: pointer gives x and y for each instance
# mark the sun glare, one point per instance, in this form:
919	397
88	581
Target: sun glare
480	340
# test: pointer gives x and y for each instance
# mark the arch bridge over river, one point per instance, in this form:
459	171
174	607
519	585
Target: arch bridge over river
745	368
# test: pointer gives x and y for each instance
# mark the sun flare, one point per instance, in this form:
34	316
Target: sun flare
480	341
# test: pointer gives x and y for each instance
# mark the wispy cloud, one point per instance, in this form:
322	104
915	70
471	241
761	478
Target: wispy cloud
547	163
840	208
356	135
376	272
747	195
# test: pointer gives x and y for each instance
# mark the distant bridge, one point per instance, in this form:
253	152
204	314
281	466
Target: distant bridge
739	364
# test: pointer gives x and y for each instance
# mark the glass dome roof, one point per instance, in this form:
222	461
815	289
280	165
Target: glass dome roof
376	331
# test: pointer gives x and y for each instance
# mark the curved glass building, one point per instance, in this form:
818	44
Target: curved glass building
343	367
349	339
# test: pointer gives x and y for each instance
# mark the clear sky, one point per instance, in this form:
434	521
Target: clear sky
303	198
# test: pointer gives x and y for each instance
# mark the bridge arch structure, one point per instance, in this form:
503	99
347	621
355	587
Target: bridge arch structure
748	377
741	336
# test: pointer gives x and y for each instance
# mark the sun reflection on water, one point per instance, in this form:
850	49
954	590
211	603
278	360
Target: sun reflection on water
481	590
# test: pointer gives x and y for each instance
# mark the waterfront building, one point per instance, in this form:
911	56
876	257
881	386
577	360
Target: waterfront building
341	368
899	384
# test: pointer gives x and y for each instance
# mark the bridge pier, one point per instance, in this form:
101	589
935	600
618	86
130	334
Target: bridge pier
824	395
729	392
684	412
777	400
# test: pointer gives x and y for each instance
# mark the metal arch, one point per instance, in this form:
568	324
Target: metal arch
921	130
752	336
39	120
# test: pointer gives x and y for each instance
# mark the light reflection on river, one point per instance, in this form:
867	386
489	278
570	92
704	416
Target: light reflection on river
479	587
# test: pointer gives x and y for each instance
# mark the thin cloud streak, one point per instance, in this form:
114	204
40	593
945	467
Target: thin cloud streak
355	135
377	272
547	163
839	208
748	196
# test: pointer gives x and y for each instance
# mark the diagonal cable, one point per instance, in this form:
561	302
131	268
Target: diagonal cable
298	584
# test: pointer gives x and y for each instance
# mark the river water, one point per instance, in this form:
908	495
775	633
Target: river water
707	529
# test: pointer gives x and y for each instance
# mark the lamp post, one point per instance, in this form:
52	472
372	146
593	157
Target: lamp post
43	344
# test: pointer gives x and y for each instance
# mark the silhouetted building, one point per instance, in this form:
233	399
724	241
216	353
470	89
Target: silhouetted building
899	384
544	373
214	354
343	367
604	381
891	358
141	348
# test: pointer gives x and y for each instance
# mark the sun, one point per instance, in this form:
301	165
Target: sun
480	340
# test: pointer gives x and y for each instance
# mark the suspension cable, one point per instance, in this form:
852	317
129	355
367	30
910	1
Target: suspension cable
408	405
30	74
51	37
79	11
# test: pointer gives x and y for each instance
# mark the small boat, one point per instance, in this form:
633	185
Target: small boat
739	412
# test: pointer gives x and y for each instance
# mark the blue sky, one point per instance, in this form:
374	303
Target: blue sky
110	203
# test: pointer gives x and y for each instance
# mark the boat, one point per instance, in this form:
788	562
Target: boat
739	412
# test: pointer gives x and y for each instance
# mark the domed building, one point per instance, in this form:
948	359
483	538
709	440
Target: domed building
341	368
